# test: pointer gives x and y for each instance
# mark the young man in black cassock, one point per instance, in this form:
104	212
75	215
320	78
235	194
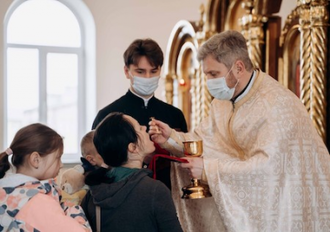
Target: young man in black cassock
143	61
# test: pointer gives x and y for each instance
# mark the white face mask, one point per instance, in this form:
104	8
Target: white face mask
145	86
218	88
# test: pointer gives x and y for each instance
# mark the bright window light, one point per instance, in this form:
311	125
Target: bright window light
44	72
44	22
62	101
23	88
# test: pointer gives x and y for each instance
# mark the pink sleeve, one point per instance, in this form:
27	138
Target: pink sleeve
45	214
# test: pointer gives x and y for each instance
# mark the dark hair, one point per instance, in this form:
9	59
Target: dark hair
144	47
32	138
111	139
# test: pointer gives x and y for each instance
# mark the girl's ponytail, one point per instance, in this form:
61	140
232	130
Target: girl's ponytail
4	162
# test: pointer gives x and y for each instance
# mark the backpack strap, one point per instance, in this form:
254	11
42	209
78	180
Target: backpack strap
98	218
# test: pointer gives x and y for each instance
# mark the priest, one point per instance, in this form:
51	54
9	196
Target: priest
267	167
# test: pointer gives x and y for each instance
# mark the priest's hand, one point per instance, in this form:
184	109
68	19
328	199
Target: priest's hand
159	131
195	166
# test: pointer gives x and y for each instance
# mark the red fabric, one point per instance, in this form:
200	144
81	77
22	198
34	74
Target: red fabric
160	150
152	164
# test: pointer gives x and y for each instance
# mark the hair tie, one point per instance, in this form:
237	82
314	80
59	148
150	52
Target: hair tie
9	151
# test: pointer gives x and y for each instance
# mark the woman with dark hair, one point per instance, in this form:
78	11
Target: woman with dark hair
30	198
129	199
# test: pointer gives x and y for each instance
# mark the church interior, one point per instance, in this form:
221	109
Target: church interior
286	39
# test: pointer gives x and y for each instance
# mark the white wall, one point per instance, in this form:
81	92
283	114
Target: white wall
286	8
118	23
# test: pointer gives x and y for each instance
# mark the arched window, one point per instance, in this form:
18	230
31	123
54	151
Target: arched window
50	69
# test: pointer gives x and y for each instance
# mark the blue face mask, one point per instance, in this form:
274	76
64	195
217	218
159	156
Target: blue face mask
218	88
145	86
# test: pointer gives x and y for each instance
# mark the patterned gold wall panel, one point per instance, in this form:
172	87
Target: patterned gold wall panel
289	61
185	85
304	61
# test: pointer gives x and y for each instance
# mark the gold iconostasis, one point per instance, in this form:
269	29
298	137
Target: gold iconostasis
296	54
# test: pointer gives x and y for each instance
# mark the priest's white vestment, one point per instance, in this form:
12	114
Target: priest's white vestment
266	165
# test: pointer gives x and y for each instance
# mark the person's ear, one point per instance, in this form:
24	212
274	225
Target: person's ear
132	147
240	67
34	159
90	159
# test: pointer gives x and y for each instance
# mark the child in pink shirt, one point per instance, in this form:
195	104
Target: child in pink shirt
30	199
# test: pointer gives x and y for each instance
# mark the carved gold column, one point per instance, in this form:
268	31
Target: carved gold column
305	51
313	50
203	100
252	29
319	19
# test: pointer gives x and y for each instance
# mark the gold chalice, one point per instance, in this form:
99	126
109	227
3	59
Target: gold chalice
196	189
